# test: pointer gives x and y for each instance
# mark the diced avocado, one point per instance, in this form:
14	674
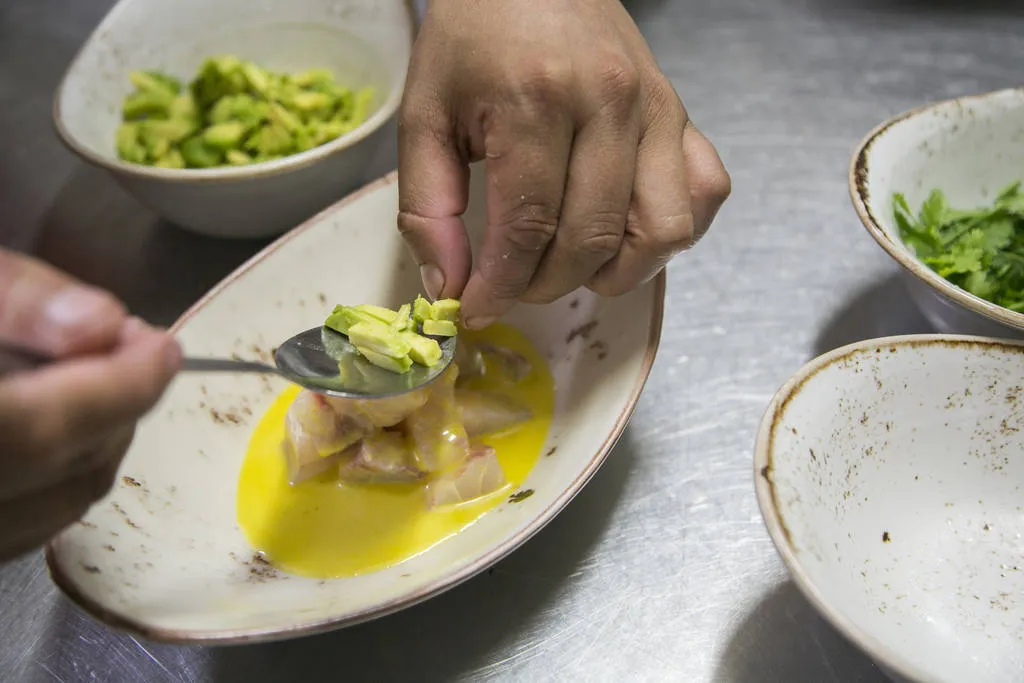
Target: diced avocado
344	317
379	312
152	81
237	158
285	118
396	365
147	104
259	79
199	155
445	309
171	131
305	79
403	319
242	108
172	159
376	336
440	328
183	107
421	309
423	350
271	138
224	135
312	101
128	146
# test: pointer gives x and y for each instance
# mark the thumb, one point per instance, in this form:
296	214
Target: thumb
433	191
47	311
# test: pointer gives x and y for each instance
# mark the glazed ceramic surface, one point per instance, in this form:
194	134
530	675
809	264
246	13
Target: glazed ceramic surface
889	474
970	148
365	43
163	555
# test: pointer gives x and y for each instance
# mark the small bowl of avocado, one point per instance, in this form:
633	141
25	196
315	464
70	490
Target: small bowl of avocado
941	189
234	123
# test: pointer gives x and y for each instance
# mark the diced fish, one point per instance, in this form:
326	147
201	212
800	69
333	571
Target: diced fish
435	430
381	412
384	457
304	461
480	475
484	412
311	416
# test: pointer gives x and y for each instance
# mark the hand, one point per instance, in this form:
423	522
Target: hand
64	427
595	175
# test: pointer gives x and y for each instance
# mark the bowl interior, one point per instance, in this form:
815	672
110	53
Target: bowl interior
163	554
893	490
970	148
365	43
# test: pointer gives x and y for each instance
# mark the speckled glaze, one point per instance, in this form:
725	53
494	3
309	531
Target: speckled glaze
970	148
163	555
889	476
365	42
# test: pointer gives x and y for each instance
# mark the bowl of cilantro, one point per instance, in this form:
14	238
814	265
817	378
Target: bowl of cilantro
941	189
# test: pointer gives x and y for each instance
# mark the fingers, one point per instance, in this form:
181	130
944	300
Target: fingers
708	182
49	312
433	190
527	157
597	197
680	184
51	416
32	520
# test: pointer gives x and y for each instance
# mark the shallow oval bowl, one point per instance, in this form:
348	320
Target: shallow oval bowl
364	42
163	555
970	148
889	475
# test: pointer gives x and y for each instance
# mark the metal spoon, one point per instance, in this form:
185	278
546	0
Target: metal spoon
318	359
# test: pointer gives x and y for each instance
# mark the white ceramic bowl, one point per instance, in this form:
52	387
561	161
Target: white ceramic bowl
181	570
889	475
365	43
971	148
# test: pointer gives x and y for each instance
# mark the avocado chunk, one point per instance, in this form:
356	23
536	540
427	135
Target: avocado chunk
440	328
378	337
445	309
398	365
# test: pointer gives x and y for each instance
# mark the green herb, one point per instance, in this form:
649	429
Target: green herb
234	113
980	250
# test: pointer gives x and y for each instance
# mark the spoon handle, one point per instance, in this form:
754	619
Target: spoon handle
12	359
225	365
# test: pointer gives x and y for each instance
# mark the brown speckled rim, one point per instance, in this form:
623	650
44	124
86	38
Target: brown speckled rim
485	560
771	510
863	204
265	169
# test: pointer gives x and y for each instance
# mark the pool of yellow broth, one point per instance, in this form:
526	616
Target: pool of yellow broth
323	528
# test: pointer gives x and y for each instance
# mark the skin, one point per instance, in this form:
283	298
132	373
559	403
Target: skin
64	427
595	175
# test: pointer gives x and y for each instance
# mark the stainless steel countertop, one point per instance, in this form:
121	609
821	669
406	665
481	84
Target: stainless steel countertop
661	568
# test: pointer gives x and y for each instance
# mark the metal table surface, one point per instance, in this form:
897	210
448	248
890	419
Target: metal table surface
661	568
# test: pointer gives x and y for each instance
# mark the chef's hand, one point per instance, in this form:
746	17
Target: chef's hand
595	175
64	427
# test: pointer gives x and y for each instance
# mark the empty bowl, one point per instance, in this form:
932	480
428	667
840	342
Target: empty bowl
889	475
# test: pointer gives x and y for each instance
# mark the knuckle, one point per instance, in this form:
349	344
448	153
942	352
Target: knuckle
531	226
545	81
618	81
602	237
711	184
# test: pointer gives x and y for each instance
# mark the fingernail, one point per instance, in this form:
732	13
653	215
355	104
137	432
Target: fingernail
73	306
480	322
433	279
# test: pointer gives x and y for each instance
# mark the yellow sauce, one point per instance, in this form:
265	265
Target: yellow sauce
321	528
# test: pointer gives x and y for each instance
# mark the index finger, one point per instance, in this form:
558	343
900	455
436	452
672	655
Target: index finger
527	161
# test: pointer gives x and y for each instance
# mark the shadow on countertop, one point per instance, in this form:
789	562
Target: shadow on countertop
784	640
923	9
459	633
881	310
